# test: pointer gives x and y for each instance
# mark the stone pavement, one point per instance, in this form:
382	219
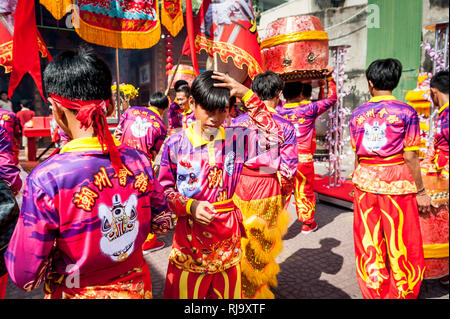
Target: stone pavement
319	265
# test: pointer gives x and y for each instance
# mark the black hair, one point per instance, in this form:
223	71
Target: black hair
292	90
80	74
440	82
3	92
185	89
159	100
25	102
307	90
209	97
384	74
180	83
267	85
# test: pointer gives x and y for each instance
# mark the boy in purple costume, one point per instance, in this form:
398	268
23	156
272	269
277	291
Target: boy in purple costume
83	220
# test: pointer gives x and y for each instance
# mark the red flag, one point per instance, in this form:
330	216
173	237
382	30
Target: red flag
25	49
228	28
6	44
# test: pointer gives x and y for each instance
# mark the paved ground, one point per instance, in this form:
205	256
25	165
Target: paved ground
319	265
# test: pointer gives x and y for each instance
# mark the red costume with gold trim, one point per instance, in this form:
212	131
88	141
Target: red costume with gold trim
193	168
303	115
388	242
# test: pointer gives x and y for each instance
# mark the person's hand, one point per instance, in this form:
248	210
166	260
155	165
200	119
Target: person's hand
424	202
202	212
329	71
236	89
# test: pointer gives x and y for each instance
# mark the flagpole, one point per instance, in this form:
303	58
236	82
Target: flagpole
174	73
117	86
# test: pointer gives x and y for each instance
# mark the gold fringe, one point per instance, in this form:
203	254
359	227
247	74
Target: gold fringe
266	222
266	276
118	39
175	25
58	7
262	292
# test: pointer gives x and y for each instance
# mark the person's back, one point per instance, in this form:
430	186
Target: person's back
389	190
143	127
86	211
25	114
303	114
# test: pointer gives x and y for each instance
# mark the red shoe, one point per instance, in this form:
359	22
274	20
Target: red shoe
309	228
153	245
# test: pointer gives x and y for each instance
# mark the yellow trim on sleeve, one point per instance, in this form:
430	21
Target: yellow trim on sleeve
188	206
435	250
412	148
247	96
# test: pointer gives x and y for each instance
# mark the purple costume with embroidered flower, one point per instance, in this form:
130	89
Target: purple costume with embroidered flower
79	217
383	128
142	128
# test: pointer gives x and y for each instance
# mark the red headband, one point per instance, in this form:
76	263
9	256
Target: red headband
93	113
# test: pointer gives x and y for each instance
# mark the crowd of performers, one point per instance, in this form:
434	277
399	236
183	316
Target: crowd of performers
227	166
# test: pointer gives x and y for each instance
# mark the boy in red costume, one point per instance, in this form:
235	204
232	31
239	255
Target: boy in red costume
199	171
389	191
303	114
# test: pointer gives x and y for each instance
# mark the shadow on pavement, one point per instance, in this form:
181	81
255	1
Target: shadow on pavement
299	276
323	217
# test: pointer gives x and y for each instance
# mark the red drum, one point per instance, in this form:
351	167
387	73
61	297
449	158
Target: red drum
184	72
434	228
295	43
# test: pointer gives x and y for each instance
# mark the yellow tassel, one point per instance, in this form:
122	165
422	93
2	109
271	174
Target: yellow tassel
175	25
58	8
258	278
263	292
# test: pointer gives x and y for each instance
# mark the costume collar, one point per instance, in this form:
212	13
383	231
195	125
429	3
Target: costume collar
271	109
198	140
382	98
443	108
83	144
189	111
154	110
296	104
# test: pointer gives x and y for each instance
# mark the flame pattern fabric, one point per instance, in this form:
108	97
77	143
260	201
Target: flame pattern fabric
388	245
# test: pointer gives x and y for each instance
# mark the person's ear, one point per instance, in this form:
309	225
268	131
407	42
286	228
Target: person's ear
191	103
60	117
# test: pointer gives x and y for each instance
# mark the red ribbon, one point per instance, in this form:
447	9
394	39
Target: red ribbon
92	113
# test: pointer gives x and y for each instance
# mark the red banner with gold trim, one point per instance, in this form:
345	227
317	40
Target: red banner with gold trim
172	16
228	28
6	48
